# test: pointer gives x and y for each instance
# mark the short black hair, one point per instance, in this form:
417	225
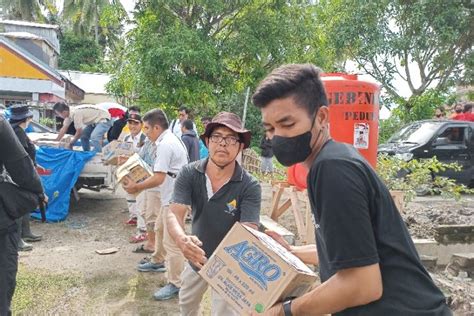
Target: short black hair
60	107
467	107
183	108
156	117
188	124
300	81
134	108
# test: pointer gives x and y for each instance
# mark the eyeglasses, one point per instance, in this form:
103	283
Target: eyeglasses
229	140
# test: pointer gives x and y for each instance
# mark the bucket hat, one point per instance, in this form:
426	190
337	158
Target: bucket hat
231	121
19	112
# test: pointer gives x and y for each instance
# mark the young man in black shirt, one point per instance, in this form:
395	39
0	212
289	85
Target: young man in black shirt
367	261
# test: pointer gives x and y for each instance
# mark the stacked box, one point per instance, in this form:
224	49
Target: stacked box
114	150
252	272
134	168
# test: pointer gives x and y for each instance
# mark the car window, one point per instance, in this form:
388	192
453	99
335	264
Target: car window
417	133
454	135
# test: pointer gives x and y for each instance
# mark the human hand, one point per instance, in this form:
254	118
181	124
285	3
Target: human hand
275	310
191	248
279	239
121	159
129	186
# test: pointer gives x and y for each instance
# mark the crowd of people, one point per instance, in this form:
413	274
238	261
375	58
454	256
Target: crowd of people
367	261
459	112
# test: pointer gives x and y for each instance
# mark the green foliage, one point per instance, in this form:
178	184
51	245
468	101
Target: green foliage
430	40
47	121
27	10
420	177
388	127
80	53
422	106
207	53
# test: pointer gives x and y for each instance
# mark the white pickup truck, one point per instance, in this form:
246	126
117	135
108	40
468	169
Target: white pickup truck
94	176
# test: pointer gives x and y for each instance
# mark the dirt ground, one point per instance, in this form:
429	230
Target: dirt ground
64	276
81	281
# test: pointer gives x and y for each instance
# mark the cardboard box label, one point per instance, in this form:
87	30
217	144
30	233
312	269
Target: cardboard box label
255	263
252	272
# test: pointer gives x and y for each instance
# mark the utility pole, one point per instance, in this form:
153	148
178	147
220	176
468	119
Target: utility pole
245	106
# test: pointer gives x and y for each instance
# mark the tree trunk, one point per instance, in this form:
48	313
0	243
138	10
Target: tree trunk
96	25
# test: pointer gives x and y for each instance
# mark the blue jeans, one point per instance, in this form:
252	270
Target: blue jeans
94	134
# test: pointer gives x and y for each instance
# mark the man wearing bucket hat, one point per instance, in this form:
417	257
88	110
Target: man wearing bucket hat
20	118
368	263
219	193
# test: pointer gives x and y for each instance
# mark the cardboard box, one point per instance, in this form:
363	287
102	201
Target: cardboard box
137	169
252	272
49	140
269	224
114	149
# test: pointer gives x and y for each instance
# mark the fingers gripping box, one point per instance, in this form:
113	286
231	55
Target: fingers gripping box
252	272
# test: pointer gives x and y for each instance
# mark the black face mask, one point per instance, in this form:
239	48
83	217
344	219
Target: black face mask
291	150
458	110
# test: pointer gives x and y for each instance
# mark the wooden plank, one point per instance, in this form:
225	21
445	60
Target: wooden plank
300	226
279	211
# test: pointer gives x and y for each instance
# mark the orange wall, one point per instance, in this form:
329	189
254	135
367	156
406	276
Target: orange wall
14	66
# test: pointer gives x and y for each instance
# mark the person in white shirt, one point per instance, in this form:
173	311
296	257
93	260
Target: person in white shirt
175	125
171	156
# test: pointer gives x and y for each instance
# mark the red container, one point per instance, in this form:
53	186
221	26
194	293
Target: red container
353	118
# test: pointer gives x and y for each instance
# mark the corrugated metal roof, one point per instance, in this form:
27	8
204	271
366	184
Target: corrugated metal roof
88	81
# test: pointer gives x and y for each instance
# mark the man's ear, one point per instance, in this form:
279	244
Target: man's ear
323	116
241	147
206	141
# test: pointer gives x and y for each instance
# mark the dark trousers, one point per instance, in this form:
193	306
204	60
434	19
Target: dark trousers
8	267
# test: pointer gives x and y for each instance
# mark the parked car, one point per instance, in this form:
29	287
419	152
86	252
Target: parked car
94	176
450	141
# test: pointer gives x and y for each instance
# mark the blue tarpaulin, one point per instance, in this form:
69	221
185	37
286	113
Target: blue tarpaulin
65	166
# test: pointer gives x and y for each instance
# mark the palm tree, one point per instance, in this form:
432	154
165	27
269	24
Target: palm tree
27	10
84	15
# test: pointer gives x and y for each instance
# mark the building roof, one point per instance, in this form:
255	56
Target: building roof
40	64
35	61
32	24
47	31
89	82
27	35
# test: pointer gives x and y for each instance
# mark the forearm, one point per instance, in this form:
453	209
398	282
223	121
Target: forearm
343	290
307	253
77	135
152	182
61	133
175	227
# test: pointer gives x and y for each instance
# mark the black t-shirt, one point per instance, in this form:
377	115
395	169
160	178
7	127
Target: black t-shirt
237	200
25	142
357	224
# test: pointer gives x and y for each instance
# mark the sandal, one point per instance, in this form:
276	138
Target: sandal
138	238
141	249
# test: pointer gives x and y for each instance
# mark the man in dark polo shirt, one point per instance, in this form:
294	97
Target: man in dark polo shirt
367	261
219	193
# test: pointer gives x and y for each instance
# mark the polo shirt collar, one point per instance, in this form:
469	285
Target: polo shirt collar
238	171
160	138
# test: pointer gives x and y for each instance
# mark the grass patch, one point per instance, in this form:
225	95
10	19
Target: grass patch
39	290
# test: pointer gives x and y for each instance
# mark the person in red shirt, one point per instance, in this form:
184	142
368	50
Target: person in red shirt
457	112
467	114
